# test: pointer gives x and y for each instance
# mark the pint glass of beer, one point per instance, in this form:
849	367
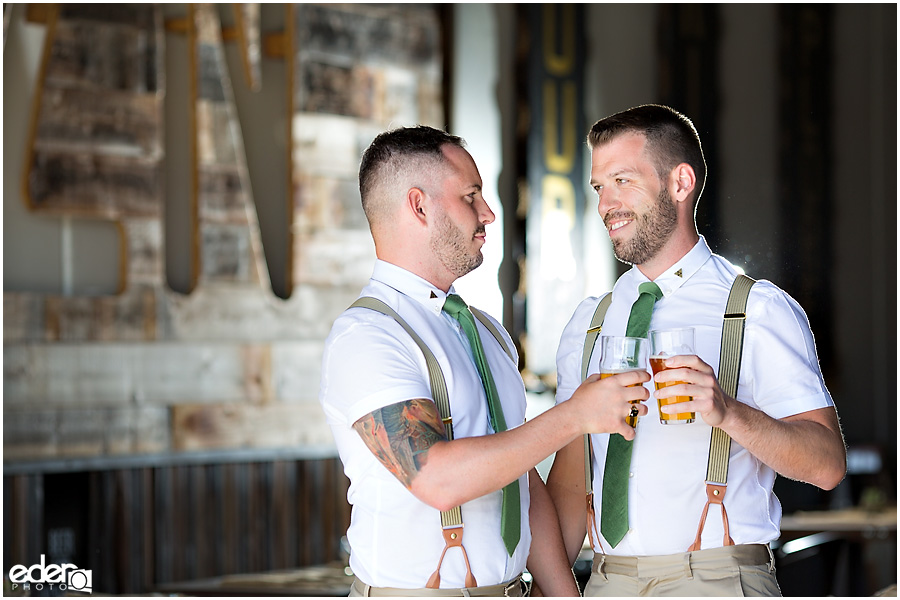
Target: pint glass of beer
665	343
622	354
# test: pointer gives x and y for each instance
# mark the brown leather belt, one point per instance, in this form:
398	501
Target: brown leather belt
514	588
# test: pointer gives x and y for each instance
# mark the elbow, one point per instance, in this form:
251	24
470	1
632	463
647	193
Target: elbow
830	477
833	478
435	495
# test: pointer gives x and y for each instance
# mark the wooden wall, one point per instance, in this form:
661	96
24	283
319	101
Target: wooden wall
228	365
140	528
122	411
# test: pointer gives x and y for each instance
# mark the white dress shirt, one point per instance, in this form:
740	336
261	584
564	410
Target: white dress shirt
779	375
370	362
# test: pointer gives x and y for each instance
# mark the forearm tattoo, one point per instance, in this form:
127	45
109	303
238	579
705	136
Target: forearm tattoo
400	435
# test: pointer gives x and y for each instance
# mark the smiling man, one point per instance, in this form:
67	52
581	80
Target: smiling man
419	472
648	171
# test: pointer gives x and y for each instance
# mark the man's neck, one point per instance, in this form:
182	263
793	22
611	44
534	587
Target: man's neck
676	249
411	261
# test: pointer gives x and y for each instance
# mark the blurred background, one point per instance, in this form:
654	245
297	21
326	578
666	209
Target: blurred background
181	225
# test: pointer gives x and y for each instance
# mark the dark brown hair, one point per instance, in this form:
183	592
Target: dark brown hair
392	150
671	138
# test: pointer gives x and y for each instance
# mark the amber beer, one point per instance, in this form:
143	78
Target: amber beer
632	421
658	364
666	343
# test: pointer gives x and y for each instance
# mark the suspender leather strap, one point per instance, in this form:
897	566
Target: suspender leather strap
729	374
590	340
451	520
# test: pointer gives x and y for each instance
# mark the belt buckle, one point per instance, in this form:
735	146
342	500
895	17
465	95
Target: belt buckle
516	582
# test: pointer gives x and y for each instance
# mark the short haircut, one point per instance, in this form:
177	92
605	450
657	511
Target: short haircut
394	157
671	138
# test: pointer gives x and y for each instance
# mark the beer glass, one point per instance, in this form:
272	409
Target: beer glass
622	354
665	343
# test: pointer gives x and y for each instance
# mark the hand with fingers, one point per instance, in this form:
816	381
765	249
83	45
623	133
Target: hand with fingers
697	380
605	404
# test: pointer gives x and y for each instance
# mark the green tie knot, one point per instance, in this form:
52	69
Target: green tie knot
648	287
455	305
639	321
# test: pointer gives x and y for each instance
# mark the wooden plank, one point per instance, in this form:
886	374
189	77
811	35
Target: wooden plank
319	263
44	433
327	203
164	524
210	426
104	186
119	374
225	200
344	51
216	143
234	253
107	54
127	317
142	16
102	122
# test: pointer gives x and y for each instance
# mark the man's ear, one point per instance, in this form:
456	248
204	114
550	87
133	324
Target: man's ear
416	203
682	182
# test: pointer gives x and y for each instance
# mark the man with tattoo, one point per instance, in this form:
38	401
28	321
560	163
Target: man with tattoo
421	193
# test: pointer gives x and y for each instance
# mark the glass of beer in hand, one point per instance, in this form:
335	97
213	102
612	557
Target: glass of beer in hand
665	343
620	355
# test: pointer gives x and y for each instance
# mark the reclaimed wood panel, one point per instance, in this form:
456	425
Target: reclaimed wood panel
96	140
103	186
228	246
32	433
118	374
354	71
238	425
137	528
113	122
81	374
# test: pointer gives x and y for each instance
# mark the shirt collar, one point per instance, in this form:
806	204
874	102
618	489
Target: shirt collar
410	285
675	276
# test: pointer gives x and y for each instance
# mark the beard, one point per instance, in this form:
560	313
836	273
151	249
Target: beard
652	231
451	246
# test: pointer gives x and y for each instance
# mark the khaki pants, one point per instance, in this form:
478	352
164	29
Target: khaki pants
514	588
746	570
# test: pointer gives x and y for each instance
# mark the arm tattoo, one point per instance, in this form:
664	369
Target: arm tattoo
400	435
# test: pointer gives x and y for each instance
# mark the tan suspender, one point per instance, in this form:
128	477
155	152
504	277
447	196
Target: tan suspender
451	520
590	340
729	374
720	442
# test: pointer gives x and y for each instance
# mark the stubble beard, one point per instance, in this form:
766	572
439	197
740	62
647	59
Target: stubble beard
652	231
450	245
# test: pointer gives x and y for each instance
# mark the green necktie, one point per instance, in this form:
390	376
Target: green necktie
614	510
510	514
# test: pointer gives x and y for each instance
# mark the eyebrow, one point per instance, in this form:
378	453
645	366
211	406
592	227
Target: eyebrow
616	173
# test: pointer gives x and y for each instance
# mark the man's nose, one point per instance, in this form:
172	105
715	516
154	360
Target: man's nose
485	214
606	201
